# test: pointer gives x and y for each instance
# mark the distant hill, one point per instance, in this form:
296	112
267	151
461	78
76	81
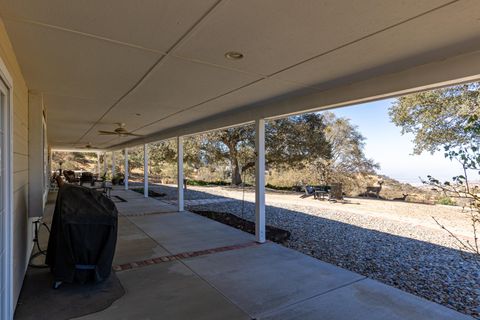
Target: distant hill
392	188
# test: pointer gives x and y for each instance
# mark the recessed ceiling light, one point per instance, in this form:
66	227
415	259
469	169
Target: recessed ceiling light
234	55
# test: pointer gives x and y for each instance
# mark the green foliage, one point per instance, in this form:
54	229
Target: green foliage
74	160
313	148
290	142
233	146
319	141
448	119
347	159
295	140
446	201
105	176
438	117
270	186
468	154
206	183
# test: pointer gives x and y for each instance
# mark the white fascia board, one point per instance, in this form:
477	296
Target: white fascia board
454	70
77	150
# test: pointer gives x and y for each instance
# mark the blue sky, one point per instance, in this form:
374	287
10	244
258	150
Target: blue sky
391	149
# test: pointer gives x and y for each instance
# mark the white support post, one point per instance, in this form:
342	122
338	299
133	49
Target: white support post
125	181
105	168
145	170
180	173
113	164
260	180
98	164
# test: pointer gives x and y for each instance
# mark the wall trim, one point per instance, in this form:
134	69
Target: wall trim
8	192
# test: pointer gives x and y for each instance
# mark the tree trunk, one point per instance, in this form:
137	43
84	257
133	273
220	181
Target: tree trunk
236	175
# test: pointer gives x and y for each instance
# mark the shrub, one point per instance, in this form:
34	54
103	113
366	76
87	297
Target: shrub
271	186
206	183
446	201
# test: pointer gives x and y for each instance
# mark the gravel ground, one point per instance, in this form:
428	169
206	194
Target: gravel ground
417	258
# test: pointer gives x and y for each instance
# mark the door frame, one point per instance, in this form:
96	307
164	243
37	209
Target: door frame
7	189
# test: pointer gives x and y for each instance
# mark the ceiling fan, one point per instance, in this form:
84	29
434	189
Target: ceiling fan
121	131
88	146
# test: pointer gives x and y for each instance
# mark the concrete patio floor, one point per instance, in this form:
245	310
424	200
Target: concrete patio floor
184	266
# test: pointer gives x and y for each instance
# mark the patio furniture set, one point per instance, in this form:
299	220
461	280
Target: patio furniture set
331	192
87	179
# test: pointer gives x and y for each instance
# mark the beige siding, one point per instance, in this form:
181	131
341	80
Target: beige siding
22	238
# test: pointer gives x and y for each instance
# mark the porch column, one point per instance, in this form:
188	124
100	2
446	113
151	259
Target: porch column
180	173
105	168
125	181
113	164
98	164
260	180
145	170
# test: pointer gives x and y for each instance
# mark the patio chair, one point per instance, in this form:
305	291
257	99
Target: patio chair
309	191
70	176
87	177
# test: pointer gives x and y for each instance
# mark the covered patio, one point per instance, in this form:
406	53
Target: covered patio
106	76
179	265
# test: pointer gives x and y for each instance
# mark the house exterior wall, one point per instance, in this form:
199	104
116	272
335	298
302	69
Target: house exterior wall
38	163
22	227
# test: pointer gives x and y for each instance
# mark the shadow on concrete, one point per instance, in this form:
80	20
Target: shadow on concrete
38	300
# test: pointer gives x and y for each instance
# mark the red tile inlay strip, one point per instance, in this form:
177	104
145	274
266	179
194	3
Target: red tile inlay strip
183	255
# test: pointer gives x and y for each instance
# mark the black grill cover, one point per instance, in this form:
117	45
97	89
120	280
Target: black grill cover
83	235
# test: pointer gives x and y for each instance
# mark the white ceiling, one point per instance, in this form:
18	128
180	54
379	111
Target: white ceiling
159	64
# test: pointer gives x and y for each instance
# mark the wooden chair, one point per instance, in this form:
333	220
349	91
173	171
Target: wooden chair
87	177
70	176
336	192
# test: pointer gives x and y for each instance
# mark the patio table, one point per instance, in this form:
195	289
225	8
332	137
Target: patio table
320	194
